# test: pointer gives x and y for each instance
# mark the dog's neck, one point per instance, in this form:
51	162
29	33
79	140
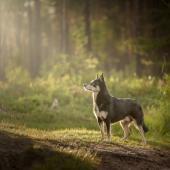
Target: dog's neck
95	106
94	96
100	98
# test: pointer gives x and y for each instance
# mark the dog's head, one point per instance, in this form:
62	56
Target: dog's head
95	85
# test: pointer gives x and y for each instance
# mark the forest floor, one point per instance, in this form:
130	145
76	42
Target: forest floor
22	148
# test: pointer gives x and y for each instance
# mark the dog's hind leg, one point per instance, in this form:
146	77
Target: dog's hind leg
125	127
101	126
141	130
139	127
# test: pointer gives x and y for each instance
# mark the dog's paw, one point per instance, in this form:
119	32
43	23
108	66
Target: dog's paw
109	139
144	143
102	139
124	139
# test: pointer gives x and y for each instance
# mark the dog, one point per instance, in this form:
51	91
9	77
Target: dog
109	109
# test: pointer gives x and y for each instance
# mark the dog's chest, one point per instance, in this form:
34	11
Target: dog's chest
100	114
97	113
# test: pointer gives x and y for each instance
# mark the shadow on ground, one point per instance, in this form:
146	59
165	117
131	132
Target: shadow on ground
22	153
19	152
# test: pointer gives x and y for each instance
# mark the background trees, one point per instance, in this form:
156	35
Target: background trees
128	35
49	48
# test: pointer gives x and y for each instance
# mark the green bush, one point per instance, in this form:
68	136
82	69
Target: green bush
33	98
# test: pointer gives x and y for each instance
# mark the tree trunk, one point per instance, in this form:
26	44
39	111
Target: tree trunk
34	34
64	45
128	30
29	60
137	34
37	39
1	53
87	21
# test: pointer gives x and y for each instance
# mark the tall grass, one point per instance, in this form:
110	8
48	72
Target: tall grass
28	102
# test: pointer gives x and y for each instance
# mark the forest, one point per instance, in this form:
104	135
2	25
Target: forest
49	49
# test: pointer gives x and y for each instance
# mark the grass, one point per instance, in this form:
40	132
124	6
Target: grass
68	148
25	110
63	161
48	150
52	123
85	135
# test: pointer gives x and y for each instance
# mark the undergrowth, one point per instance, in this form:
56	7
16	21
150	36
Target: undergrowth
27	102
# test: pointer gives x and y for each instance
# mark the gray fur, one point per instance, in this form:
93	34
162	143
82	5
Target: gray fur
125	110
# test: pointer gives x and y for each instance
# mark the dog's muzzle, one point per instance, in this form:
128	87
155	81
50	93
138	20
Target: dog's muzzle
88	87
85	86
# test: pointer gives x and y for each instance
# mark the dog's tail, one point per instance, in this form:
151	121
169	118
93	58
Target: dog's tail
145	128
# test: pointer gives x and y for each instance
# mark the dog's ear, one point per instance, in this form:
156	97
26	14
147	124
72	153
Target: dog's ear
97	76
102	77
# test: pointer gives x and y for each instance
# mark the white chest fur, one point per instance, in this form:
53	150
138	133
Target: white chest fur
97	113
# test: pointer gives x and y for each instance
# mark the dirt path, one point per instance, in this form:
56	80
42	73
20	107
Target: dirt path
119	157
19	153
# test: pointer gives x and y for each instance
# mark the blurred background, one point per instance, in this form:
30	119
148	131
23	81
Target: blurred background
131	36
48	48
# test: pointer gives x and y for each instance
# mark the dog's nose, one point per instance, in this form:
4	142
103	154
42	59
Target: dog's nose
84	85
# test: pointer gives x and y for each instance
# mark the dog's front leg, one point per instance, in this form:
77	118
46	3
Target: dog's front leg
101	126
108	127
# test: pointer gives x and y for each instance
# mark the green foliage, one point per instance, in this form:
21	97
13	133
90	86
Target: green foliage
160	119
28	102
17	76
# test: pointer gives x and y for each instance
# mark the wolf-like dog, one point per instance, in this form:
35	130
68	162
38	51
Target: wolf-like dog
108	109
